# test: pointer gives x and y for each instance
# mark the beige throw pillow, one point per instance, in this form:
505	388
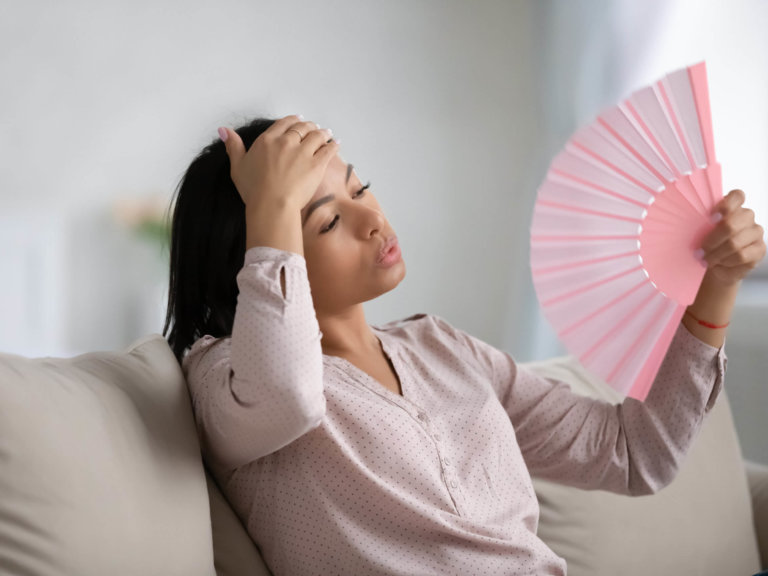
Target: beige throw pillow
100	468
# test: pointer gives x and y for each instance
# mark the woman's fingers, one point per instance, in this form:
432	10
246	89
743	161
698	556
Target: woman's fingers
287	161
728	234
735	245
315	139
755	253
747	248
303	129
730	202
280	125
285	126
324	154
233	144
236	151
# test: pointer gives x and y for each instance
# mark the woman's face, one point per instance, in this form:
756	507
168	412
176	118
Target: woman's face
344	231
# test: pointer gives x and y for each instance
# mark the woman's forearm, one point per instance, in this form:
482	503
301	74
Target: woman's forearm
713	305
275	226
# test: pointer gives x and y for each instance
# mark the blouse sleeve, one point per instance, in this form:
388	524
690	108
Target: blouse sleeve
630	448
260	389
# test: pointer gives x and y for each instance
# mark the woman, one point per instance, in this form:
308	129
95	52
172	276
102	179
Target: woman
405	448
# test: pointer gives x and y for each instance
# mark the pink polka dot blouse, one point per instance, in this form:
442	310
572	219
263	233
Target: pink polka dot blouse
332	473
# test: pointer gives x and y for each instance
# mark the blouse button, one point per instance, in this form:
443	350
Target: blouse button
447	461
454	483
437	437
421	416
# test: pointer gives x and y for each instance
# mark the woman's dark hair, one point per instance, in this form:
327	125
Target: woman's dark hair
207	246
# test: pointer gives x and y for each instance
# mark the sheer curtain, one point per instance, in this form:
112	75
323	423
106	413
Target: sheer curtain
592	54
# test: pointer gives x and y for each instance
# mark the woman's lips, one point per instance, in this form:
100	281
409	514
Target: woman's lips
389	253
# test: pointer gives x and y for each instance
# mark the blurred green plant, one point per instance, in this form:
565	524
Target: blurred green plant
147	218
155	231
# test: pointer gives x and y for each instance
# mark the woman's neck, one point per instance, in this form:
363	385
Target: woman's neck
347	333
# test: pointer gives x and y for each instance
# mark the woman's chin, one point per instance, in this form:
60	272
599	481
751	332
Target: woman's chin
395	275
402	275
397	272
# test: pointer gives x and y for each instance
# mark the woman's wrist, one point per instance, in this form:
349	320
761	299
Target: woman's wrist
708	324
708	316
275	226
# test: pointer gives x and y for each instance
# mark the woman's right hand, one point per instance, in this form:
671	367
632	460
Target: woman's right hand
280	169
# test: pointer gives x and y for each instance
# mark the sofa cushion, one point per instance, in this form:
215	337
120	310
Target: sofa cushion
100	468
699	524
757	476
234	553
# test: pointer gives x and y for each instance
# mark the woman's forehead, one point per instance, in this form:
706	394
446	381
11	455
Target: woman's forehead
338	167
337	174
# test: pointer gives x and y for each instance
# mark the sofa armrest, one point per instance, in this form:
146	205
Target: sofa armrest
757	476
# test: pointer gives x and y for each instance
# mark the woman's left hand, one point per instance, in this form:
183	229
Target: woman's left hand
735	246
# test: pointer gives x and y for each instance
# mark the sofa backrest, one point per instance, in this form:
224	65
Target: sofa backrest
700	524
100	473
100	468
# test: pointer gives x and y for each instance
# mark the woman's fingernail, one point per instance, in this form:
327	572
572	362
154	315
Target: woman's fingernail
716	217
301	116
699	254
223	134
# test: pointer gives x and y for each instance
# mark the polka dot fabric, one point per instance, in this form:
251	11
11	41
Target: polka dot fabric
332	473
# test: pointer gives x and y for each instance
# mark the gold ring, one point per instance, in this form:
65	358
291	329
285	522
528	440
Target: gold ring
301	136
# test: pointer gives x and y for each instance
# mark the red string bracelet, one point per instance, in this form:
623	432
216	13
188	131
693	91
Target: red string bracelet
707	324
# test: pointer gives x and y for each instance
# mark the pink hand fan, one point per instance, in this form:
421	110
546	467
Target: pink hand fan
615	225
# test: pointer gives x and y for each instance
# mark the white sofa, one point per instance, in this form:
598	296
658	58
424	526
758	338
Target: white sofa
100	473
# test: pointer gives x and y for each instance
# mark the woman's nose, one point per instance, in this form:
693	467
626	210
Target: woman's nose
371	221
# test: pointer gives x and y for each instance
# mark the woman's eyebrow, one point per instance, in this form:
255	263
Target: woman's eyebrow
316	204
324	200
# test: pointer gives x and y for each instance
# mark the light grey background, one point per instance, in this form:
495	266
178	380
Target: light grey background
452	108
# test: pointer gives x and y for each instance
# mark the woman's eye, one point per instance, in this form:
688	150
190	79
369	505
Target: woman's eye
362	190
332	224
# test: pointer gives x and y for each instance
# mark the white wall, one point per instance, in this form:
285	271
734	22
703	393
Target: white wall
108	99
